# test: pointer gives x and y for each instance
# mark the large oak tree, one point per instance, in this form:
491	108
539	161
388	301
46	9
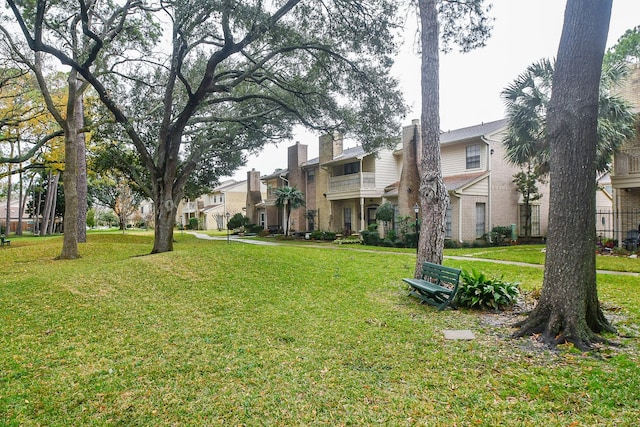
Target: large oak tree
208	79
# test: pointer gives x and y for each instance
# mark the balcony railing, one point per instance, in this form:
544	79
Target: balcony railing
189	207
628	161
352	182
634	161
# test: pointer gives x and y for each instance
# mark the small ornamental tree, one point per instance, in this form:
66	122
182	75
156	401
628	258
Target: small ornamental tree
385	213
289	198
526	182
237	221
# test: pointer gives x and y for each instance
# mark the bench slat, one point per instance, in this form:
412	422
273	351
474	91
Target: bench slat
437	286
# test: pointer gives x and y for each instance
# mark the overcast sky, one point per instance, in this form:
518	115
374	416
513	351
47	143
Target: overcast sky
524	32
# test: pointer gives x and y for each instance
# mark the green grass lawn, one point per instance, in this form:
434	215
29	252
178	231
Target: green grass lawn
235	334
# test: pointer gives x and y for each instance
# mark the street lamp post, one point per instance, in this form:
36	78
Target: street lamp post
227	215
416	209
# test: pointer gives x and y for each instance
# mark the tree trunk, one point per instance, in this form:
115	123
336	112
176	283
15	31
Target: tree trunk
81	168
568	310
20	191
51	220
433	194
23	203
37	226
7	223
46	212
165	215
70	178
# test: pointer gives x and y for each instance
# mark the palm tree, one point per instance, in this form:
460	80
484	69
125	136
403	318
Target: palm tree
527	100
289	198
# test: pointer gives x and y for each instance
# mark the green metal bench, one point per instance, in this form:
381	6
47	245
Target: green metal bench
4	241
437	286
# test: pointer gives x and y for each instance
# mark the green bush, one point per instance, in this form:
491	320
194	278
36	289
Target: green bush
619	251
411	240
503	232
317	235
322	235
253	228
450	244
370	238
193	224
329	235
237	221
476	290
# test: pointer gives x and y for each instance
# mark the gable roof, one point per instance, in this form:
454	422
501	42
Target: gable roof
352	153
460	182
276	174
231	184
470	132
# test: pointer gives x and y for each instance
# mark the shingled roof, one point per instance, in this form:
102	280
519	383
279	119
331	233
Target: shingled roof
472	131
457	182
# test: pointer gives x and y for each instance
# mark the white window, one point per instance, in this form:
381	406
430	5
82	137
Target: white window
473	156
347	220
448	222
351	168
529	220
480	219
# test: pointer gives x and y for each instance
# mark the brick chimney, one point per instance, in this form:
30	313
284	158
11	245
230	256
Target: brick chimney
254	196
331	146
409	187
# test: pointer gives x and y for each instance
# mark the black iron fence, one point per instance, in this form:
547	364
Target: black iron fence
616	225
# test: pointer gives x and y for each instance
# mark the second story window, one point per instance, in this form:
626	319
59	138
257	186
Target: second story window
350	168
310	176
473	156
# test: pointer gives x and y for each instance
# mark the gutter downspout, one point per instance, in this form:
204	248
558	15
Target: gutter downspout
489	185
361	198
459	216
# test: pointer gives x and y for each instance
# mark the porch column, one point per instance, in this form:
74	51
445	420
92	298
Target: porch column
362	227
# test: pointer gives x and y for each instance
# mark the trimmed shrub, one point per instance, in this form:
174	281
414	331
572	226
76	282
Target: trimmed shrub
322	235
253	228
370	238
450	244
476	290
411	240
329	235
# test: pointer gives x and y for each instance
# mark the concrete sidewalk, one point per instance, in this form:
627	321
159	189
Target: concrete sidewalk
458	258
235	239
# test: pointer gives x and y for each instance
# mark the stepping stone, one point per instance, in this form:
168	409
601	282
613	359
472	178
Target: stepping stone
458	334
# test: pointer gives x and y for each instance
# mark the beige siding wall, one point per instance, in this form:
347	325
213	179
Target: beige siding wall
387	169
454	158
480	188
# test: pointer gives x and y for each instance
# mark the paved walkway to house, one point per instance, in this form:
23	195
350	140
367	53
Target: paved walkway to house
524	264
351	247
236	239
